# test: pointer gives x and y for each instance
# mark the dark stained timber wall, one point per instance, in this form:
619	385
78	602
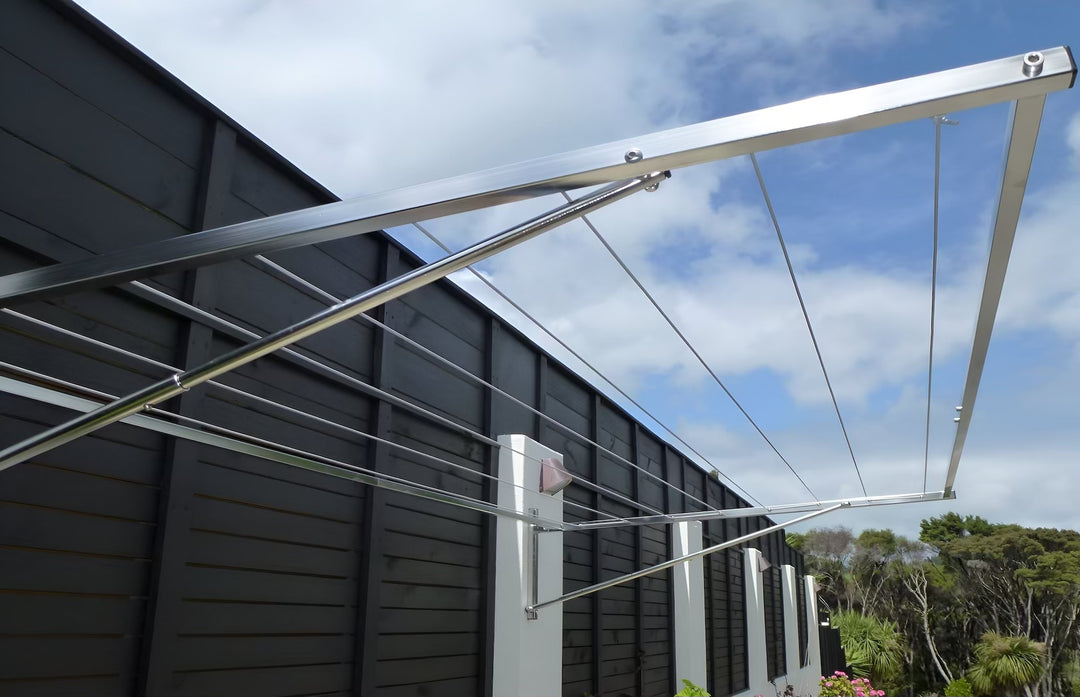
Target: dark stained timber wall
138	564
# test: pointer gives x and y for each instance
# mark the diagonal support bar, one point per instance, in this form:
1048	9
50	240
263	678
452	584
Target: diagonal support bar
181	382
1024	120
588	590
820	117
781	509
200	432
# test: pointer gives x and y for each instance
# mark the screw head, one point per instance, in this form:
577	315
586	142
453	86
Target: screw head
1033	63
633	155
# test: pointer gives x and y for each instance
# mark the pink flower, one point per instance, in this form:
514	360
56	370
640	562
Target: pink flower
860	693
828	684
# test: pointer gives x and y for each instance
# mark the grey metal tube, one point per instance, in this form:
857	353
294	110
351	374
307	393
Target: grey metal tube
829	115
83	399
780	509
588	590
1025	118
181	382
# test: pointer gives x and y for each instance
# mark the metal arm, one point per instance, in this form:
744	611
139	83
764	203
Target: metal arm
181	382
1018	77
1025	118
588	590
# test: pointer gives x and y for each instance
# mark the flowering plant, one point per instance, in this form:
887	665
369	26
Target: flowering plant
840	685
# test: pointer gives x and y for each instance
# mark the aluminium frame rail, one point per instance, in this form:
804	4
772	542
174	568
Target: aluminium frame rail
178	383
1028	75
530	610
63	393
1025	80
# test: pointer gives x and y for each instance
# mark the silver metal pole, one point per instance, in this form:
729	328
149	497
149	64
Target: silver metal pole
780	509
181	382
588	590
1024	120
227	439
1016	77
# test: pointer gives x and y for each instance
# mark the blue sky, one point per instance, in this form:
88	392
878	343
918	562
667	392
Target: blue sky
370	98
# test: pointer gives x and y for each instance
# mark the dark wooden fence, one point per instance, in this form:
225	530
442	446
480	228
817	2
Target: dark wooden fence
136	564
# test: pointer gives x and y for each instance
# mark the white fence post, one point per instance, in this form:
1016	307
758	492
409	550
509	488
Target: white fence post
756	651
813	641
689	588
528	652
803	678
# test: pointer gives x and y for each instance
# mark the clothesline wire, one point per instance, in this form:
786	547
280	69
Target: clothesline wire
540	325
287	275
938	121
700	359
806	317
322	421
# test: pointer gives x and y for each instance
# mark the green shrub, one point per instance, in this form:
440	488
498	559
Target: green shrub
691	690
959	688
872	647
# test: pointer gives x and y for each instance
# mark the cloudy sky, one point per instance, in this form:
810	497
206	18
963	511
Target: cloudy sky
372	96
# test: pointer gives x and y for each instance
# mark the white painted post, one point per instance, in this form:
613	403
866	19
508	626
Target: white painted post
528	653
813	643
796	674
689	588
756	651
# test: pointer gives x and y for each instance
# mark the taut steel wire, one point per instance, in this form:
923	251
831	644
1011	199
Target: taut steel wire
806	317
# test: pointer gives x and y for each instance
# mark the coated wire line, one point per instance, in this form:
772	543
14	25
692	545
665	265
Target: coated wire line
595	370
806	317
279	406
938	120
158	413
554	337
284	273
697	354
228	327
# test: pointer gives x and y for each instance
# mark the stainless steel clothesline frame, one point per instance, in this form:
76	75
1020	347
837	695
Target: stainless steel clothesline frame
641	162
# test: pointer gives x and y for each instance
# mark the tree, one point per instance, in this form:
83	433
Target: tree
1005	663
1023	582
915	582
872	646
966	577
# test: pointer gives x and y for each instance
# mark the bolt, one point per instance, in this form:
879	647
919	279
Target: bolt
633	155
1033	64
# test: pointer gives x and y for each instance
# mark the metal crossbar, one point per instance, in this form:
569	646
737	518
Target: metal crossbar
1015	78
182	382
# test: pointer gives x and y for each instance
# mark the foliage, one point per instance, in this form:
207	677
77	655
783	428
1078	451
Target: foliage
1070	673
964	577
1005	662
691	690
959	688
944	529
871	645
840	685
